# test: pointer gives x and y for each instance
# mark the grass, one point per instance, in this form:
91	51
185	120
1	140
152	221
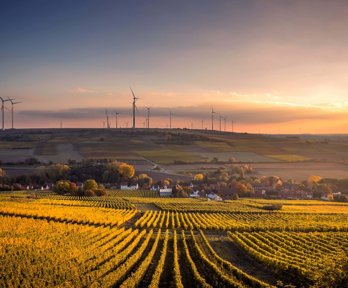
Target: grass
215	146
289	157
301	206
46	148
168	156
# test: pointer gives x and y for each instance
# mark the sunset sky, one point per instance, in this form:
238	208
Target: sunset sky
270	66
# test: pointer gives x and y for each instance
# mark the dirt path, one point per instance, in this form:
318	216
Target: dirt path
146	206
228	250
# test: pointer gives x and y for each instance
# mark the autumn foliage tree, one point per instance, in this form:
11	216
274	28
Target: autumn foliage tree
65	187
92	188
126	171
199	177
53	172
144	180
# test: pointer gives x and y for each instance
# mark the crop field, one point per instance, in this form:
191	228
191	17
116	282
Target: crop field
175	151
68	241
289	158
167	156
152	143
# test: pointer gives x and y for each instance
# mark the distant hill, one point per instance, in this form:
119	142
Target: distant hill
177	153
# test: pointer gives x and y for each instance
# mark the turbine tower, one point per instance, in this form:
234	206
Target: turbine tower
116	114
212	118
148	117
12	110
3	111
107	119
134	106
220	117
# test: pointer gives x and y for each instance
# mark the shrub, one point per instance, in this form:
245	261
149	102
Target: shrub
273	207
89	192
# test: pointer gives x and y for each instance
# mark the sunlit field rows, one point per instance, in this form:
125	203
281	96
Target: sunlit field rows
244	221
308	257
116	203
68	241
81	215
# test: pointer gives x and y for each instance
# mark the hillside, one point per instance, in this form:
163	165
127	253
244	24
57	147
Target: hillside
171	150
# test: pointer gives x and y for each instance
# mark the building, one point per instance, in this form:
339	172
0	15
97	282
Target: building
213	196
130	187
165	192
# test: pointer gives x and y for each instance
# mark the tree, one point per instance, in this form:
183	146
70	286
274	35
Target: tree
166	182
198	177
90	184
2	172
126	171
179	192
100	191
65	186
144	181
313	179
53	172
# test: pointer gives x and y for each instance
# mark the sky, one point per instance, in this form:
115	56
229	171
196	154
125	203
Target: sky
267	66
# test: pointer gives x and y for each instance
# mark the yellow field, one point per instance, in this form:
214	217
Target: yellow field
69	241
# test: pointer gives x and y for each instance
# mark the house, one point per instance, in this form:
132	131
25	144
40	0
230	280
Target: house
130	187
194	194
213	196
165	192
261	189
327	197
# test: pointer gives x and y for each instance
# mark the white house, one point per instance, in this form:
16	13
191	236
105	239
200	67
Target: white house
165	192
194	194
126	187
213	196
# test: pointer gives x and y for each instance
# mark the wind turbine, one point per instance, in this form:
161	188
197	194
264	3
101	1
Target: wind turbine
116	114
107	119
224	123
148	116
220	117
212	118
3	111
12	103
134	106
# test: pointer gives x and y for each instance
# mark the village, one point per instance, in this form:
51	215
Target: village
225	183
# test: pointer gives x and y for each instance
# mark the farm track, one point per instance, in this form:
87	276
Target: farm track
186	273
138	263
166	279
145	282
228	250
203	270
131	223
146	206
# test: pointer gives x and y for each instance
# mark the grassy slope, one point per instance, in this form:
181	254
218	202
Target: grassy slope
167	146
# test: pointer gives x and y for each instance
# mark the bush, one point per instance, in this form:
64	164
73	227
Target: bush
64	187
341	198
273	207
100	192
90	184
89	192
91	188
